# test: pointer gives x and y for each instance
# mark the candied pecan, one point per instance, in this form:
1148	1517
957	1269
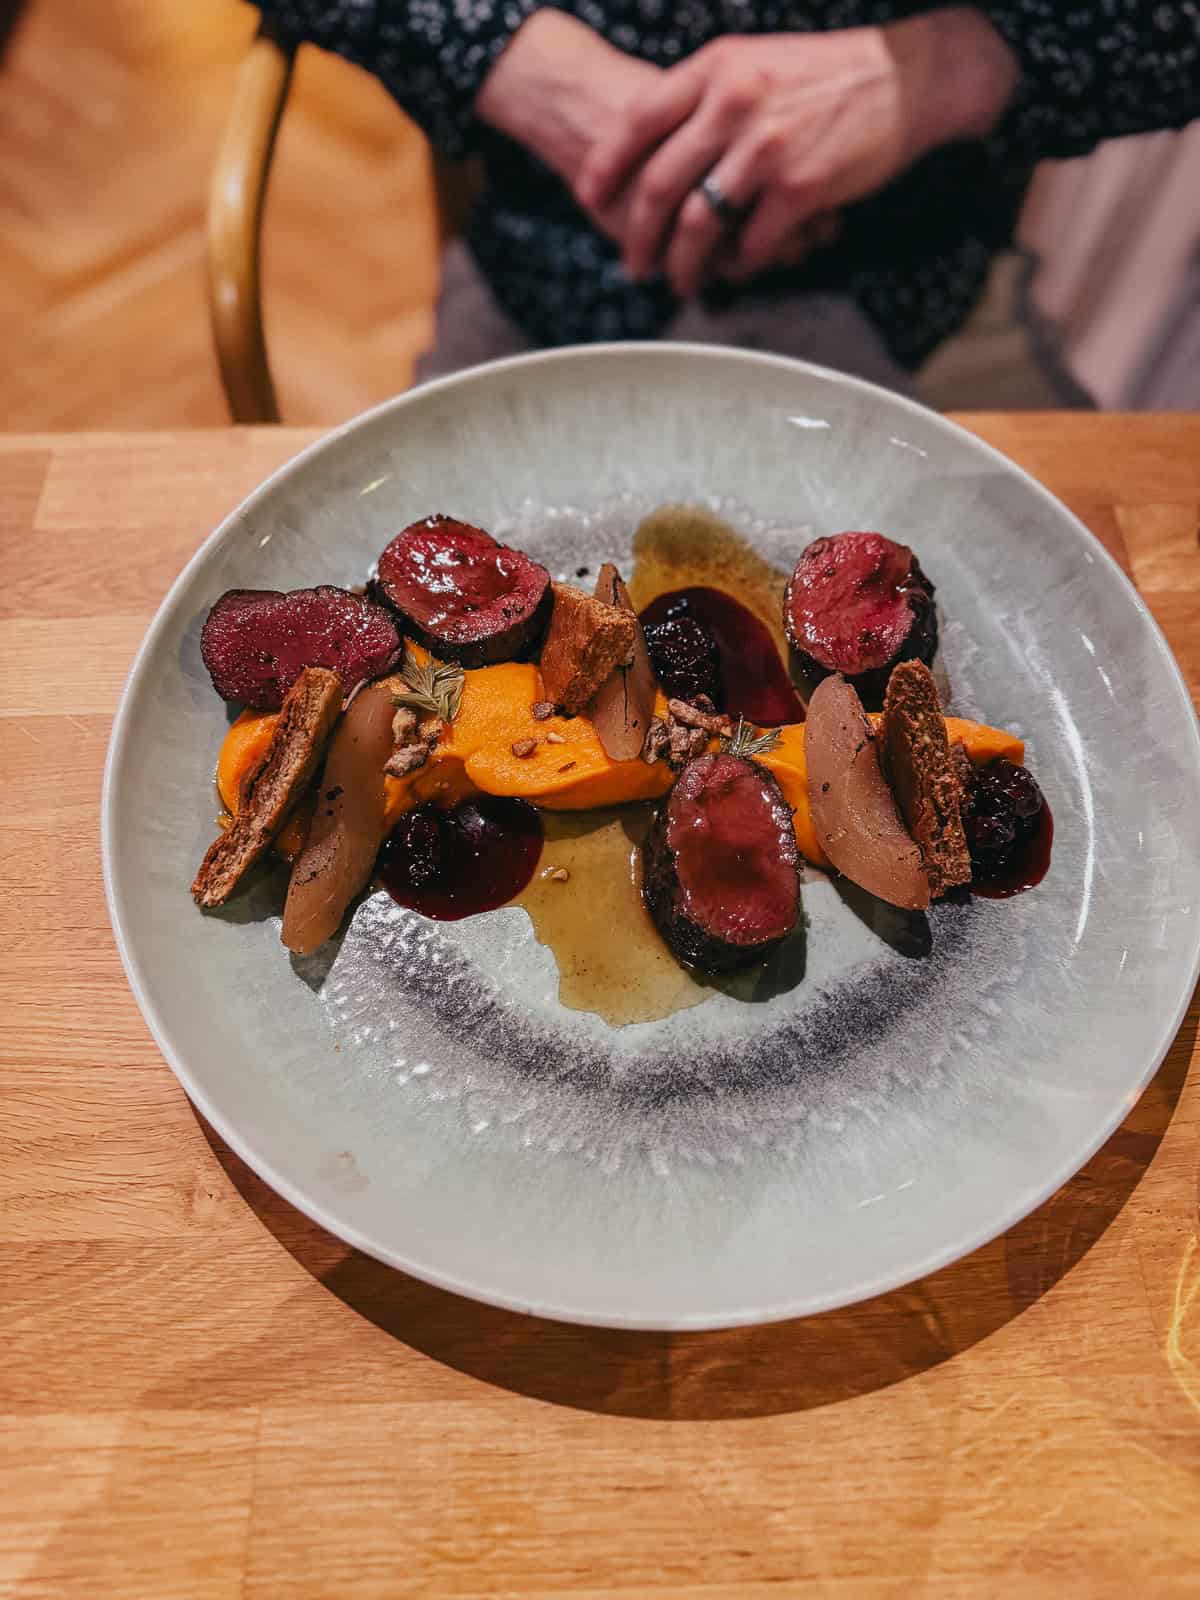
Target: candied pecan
658	737
694	716
408	759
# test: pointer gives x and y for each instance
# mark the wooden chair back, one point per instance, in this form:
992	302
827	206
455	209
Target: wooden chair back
237	194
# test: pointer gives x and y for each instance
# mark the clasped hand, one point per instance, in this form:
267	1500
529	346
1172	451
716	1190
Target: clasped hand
787	128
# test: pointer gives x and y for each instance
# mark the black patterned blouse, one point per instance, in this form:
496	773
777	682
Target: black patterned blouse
914	256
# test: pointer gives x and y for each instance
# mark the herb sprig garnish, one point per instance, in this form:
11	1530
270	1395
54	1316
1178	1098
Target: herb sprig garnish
433	686
747	744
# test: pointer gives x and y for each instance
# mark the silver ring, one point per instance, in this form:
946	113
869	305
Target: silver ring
722	207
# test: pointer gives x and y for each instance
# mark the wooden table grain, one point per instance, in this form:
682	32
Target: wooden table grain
202	1395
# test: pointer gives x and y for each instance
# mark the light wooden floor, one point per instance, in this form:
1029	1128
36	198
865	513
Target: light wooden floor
110	113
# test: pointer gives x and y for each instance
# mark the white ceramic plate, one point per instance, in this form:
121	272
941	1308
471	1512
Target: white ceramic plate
424	1095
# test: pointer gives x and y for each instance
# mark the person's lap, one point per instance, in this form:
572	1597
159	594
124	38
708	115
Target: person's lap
827	328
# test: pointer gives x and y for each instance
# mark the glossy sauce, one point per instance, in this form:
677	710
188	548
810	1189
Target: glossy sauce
685	551
754	681
452	864
610	958
1030	868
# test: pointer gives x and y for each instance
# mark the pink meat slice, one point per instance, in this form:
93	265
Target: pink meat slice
857	603
461	594
256	642
720	866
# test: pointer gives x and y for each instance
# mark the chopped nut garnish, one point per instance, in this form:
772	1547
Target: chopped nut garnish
559	874
685	743
431	730
684	733
658	737
694	717
524	748
541	709
555	738
401	762
404	725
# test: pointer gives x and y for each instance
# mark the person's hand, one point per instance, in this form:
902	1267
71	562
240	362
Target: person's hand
789	127
793	250
557	89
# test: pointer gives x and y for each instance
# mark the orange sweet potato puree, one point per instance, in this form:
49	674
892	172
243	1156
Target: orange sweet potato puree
984	743
245	749
243	752
789	764
980	742
569	772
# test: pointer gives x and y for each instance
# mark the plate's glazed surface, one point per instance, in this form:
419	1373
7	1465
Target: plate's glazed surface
893	1094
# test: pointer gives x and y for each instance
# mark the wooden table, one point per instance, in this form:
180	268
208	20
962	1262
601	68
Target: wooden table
202	1394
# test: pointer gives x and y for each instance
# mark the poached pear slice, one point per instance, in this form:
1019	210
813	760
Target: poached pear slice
853	810
621	709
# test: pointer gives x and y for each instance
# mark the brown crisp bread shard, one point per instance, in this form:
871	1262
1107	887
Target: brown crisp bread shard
586	640
923	776
310	709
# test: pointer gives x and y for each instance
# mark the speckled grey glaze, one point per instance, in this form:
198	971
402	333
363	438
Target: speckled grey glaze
892	1094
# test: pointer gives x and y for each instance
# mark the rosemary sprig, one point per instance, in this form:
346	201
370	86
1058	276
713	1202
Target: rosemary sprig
747	744
433	686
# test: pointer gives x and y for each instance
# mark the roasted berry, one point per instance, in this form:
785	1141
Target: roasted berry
1001	815
685	659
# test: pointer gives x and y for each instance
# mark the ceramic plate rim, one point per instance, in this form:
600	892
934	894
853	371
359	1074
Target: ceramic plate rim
800	1305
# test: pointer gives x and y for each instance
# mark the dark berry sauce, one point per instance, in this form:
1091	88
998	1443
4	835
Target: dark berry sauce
452	864
1026	868
754	681
1009	830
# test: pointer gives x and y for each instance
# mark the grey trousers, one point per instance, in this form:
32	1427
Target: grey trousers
828	328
